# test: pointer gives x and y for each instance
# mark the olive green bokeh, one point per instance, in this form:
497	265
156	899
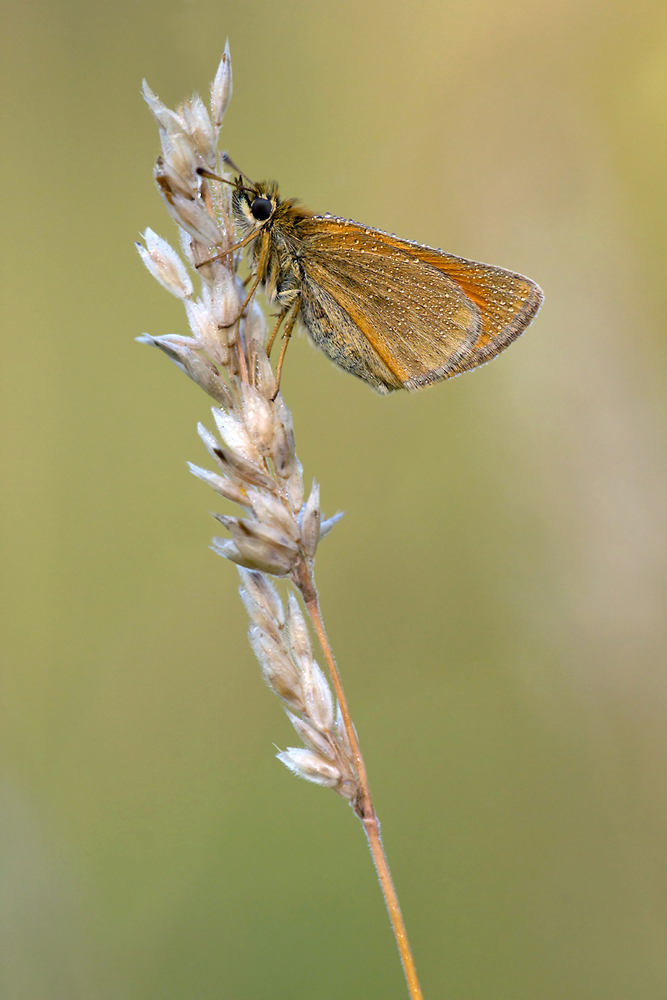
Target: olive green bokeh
495	593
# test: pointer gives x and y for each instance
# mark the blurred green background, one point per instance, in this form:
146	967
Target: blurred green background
495	593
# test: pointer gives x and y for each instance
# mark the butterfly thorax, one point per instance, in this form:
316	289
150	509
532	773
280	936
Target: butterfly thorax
275	254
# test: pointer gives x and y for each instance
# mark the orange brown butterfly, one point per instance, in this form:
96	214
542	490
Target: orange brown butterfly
397	314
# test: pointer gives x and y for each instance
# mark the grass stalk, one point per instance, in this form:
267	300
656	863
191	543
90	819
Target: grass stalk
277	531
366	810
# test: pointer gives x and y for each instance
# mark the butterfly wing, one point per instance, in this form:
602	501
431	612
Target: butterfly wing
416	319
507	301
424	314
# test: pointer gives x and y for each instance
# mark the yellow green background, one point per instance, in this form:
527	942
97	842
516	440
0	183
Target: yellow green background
495	593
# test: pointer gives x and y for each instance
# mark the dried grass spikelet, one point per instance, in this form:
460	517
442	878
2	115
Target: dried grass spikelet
257	468
282	645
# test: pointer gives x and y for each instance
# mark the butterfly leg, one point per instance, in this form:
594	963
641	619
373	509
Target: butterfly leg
290	316
227	253
274	332
258	278
291	297
253	289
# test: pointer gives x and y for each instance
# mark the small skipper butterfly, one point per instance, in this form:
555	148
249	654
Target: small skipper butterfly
398	315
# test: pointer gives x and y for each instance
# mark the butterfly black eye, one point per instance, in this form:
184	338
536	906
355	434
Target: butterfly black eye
261	208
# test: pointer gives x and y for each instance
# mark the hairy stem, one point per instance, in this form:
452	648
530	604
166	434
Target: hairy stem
365	809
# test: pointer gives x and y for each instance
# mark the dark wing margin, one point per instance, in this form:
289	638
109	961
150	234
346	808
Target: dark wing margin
507	302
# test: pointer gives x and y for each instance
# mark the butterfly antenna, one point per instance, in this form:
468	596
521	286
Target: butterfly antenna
228	159
203	172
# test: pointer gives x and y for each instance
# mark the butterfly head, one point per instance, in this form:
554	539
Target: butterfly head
254	206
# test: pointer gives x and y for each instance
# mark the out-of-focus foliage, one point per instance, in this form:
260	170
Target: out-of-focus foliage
495	593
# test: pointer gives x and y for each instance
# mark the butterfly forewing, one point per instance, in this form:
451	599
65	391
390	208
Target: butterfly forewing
415	317
427	314
507	301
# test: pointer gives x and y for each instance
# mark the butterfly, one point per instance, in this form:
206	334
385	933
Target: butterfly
397	314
